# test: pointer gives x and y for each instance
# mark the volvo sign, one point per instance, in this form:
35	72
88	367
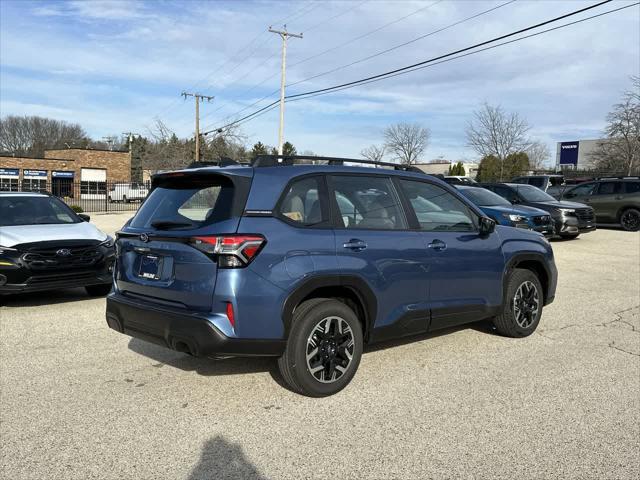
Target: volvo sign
569	153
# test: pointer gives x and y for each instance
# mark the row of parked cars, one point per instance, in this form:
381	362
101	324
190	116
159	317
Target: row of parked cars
573	209
306	263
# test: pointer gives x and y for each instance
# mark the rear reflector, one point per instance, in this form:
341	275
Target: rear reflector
231	315
233	251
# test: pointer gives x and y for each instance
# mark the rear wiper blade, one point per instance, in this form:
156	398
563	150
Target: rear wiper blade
169	224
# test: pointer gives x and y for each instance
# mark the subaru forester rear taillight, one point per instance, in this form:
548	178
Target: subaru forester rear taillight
232	251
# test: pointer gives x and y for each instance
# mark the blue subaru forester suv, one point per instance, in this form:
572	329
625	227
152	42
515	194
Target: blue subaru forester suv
310	263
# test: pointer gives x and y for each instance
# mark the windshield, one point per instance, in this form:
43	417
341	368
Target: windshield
26	210
532	194
483	197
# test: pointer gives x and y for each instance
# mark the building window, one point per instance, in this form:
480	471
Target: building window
8	184
34	184
93	188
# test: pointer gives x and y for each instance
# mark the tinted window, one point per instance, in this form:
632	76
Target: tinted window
437	209
301	203
584	189
34	211
483	197
632	187
532	194
556	181
536	182
186	202
367	202
609	188
506	192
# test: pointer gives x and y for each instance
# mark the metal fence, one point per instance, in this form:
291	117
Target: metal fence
86	196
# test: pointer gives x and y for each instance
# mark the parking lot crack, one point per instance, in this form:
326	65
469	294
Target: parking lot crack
613	345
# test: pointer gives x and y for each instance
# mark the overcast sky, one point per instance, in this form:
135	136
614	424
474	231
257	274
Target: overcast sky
115	66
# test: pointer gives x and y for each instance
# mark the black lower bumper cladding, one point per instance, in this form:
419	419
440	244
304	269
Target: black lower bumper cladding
182	331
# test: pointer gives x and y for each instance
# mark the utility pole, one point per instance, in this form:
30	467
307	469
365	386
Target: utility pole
129	136
284	35
198	98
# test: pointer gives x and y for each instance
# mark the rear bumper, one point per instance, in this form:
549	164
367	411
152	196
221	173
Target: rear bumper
182	331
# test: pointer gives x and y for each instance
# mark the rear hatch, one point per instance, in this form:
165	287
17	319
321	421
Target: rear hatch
157	261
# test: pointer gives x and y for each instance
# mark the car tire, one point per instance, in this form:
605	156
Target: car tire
630	220
98	290
523	303
330	329
570	236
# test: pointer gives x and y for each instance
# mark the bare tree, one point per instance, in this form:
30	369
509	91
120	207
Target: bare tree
374	152
407	141
538	153
492	131
33	135
620	151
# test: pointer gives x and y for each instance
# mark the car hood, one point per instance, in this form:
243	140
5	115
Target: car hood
516	210
16	235
557	204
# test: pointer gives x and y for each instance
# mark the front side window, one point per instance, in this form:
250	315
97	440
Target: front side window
608	188
506	192
301	203
537	182
436	209
581	190
367	202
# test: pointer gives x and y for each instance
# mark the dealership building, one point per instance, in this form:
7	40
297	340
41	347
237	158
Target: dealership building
69	172
576	155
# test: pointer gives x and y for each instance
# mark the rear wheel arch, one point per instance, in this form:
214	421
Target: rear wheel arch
350	290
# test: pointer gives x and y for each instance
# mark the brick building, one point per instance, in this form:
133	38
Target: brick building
66	172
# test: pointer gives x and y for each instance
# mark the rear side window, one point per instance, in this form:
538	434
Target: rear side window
632	187
186	203
367	202
436	209
301	203
609	188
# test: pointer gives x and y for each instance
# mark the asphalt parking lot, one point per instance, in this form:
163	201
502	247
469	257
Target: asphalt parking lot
80	401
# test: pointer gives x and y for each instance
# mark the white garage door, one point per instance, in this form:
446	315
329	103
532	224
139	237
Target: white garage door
93	175
93	183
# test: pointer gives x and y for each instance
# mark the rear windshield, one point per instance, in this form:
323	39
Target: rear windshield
186	203
25	210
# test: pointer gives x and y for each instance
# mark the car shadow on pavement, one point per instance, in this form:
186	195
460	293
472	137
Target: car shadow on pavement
202	366
221	459
49	297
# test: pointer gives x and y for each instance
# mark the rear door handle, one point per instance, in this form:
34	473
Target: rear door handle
355	245
438	245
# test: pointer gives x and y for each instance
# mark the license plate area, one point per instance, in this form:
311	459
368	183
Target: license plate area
150	267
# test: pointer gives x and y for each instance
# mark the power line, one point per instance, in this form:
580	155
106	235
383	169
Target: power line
253	87
366	34
502	37
404	44
335	47
437	60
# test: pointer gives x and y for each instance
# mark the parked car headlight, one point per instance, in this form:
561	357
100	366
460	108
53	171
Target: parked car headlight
513	217
567	212
108	243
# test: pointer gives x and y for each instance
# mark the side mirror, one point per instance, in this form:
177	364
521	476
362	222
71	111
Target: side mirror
84	217
487	226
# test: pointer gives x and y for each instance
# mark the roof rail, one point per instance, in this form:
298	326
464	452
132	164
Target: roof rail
283	160
621	177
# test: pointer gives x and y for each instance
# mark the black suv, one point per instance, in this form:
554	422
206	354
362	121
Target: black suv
570	219
614	200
